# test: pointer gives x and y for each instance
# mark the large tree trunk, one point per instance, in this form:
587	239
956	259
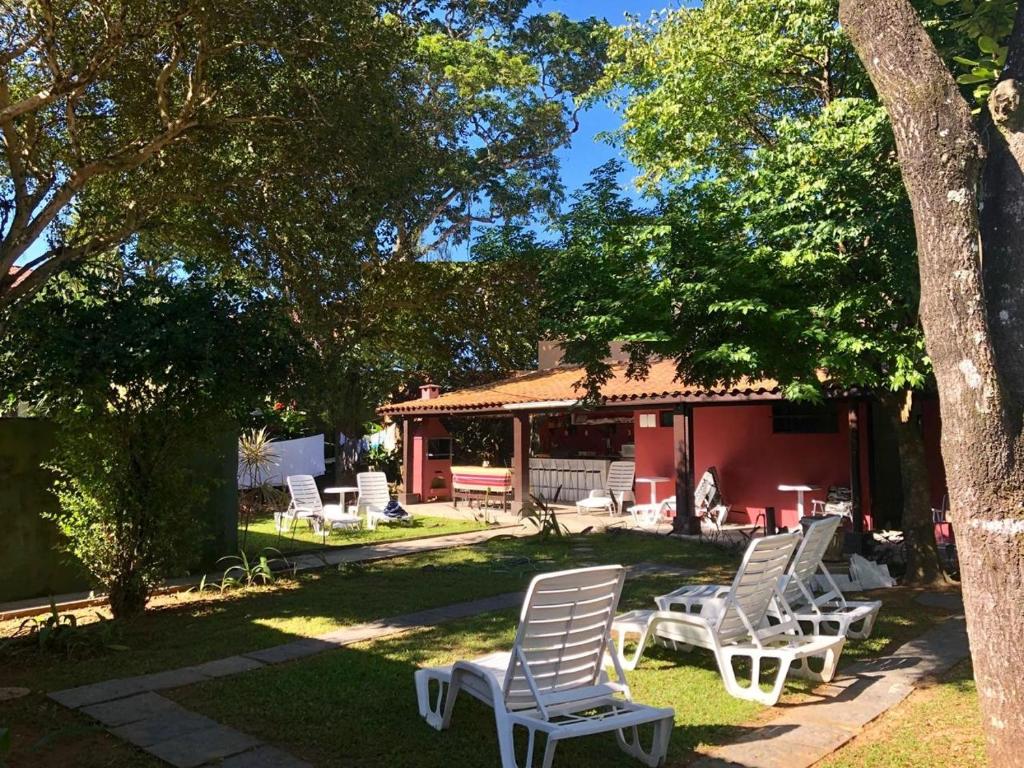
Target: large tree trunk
923	566
973	339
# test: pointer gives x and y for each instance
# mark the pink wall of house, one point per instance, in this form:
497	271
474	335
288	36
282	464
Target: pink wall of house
655	457
753	461
424	469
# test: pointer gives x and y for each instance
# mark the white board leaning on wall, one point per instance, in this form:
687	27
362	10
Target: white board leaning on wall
302	456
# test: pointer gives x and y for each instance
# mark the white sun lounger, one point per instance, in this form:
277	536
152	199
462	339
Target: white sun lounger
828	612
552	681
733	626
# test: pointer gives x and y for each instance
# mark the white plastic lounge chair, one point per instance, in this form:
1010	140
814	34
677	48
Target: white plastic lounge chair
374	496
828	612
733	626
306	505
612	498
553	681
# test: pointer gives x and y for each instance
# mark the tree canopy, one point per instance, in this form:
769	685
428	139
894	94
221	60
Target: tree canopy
396	124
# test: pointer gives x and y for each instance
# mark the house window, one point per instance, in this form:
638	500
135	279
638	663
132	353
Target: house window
665	418
805	418
648	420
439	448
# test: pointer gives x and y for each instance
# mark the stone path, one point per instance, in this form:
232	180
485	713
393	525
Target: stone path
808	732
304	562
131	709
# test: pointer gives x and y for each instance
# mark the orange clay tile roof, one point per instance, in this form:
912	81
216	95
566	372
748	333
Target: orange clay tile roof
561	384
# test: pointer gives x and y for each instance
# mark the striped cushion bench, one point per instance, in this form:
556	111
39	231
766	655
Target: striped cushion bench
480	483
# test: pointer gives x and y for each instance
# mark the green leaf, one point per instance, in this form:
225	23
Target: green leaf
987	44
971	79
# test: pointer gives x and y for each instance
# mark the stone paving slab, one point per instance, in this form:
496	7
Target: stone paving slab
264	757
952	601
232	665
132	708
193	749
297	649
171	725
83	695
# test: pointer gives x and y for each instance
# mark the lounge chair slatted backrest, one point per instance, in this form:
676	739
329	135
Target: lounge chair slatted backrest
816	540
753	589
305	495
620	476
373	490
563	633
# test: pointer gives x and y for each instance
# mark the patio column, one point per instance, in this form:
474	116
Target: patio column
520	460
407	496
853	421
682	437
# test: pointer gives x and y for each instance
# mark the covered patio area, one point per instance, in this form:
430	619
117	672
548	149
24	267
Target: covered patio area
776	460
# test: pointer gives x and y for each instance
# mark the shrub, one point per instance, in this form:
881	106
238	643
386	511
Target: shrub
141	369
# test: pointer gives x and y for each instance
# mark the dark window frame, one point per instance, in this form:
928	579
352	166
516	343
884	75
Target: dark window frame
789	418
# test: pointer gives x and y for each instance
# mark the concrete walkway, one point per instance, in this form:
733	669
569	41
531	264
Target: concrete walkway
131	709
304	562
805	733
506	525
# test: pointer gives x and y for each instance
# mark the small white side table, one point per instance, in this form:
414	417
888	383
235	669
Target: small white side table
343	491
653	482
799	490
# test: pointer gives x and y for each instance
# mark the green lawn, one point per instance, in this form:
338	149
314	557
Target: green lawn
276	701
262	534
343	707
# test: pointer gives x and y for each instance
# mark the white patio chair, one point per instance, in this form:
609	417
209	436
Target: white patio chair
709	504
553	682
733	626
374	496
306	505
618	488
828	610
649	515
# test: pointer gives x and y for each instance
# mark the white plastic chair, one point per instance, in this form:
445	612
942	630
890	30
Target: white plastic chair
828	610
733	626
649	515
709	504
374	496
619	487
553	682
306	505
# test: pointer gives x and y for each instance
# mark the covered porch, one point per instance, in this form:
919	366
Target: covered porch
671	431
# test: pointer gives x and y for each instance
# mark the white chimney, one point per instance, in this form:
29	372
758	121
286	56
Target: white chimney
429	391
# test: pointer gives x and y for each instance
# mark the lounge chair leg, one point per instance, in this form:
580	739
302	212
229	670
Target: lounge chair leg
753	691
549	752
633	747
436	713
629	664
830	660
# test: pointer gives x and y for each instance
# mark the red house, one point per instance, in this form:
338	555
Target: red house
755	438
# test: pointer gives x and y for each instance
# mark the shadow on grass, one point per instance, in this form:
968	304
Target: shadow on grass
357	706
192	628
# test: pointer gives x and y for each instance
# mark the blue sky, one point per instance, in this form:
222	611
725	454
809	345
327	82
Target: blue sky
586	151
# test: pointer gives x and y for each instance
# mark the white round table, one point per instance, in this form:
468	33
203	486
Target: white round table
653	481
343	491
799	490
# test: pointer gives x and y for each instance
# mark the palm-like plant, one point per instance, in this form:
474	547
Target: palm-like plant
256	455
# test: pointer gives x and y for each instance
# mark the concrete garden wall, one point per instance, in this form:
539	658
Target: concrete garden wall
31	563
